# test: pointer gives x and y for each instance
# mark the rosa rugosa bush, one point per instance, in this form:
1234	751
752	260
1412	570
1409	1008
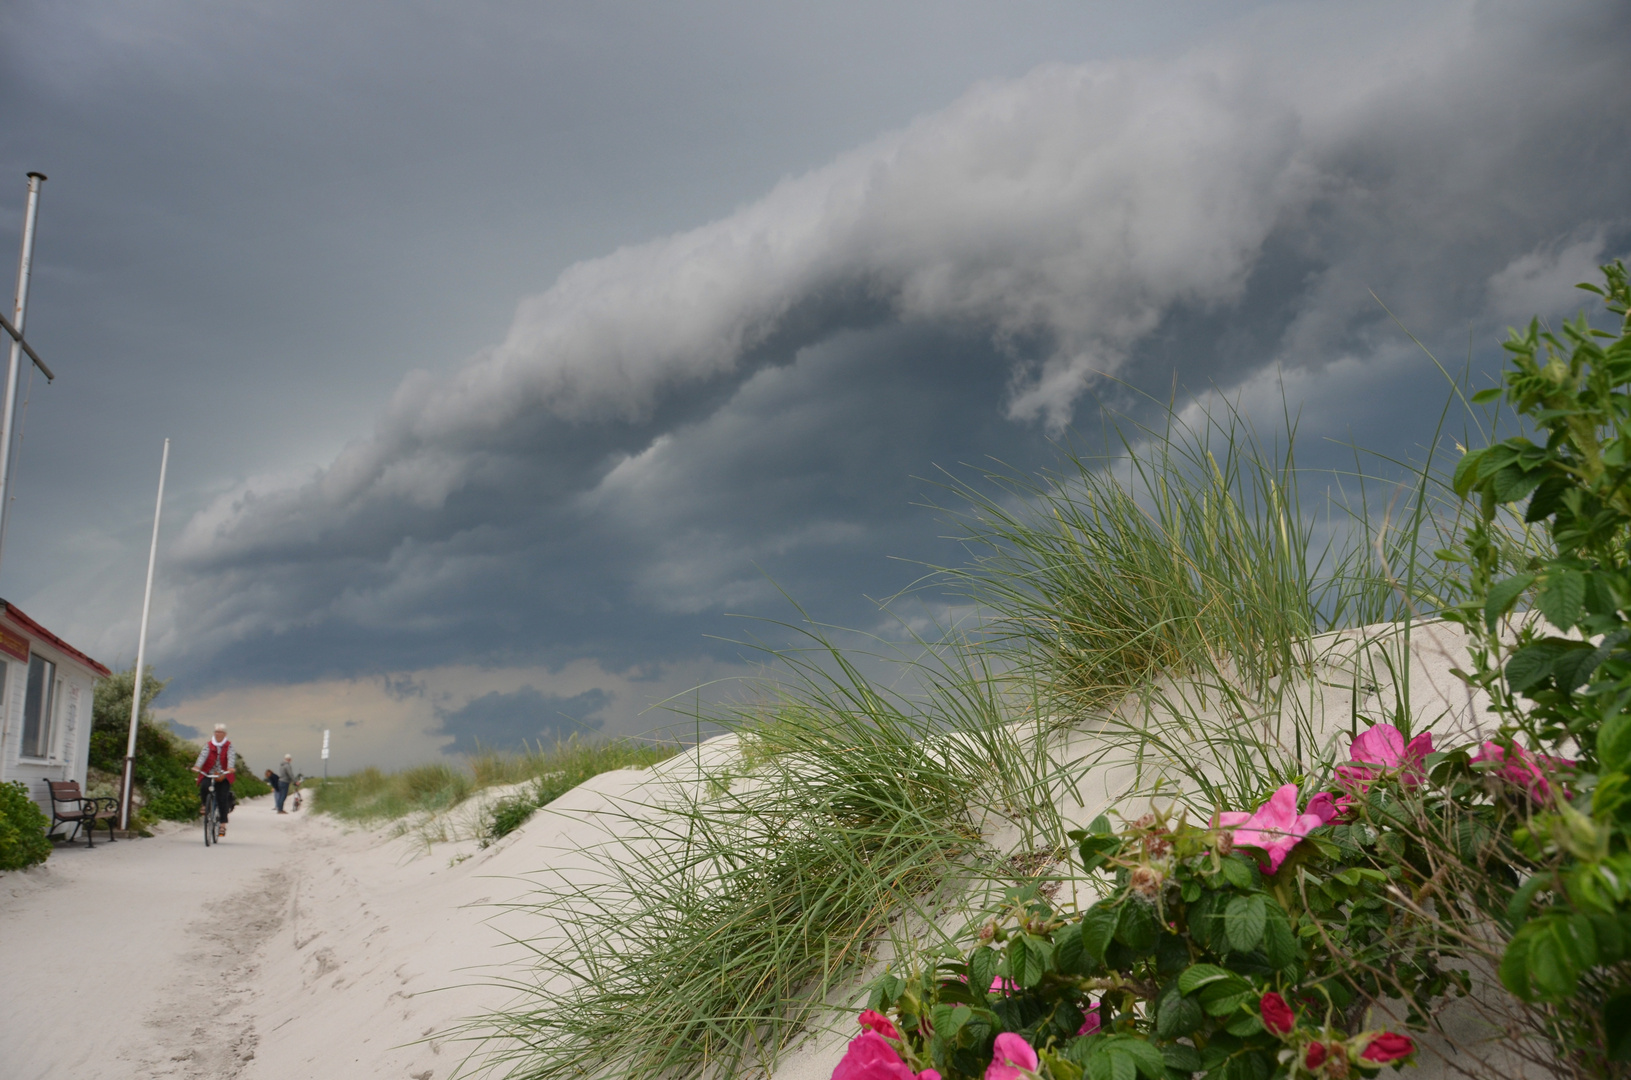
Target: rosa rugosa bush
1247	946
1560	679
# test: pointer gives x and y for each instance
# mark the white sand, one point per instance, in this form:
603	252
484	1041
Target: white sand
300	949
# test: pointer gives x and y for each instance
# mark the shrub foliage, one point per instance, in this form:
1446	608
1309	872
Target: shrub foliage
23	827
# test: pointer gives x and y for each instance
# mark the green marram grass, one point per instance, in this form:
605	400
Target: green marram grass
734	906
1165	601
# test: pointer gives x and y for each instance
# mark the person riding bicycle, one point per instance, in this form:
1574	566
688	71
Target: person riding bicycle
216	757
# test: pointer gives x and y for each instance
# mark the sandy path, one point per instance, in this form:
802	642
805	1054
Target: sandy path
147	942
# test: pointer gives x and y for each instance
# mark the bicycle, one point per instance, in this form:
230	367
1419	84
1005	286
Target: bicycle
212	812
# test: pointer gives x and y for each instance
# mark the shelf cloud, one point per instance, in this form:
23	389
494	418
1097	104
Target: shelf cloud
1211	214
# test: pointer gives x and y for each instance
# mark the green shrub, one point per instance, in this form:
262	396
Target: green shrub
248	784
23	827
1560	765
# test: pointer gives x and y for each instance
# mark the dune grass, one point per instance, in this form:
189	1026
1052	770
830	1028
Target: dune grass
731	910
373	796
1162	605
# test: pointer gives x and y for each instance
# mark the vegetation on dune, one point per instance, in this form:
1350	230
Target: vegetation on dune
1169	609
723	917
374	796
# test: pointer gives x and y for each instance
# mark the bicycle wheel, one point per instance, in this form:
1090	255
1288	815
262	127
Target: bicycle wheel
212	818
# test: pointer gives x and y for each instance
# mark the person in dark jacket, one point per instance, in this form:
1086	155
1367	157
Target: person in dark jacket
285	781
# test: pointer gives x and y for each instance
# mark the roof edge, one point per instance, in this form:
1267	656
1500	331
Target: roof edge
29	624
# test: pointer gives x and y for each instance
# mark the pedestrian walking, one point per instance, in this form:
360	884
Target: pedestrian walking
285	781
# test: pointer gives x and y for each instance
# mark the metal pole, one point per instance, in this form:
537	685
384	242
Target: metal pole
127	782
19	309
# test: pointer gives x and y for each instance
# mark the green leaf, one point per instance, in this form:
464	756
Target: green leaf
1223	998
1029	958
1138	928
1614	743
1512	483
1178	1016
1562	594
1484	397
1245	1024
1146	1058
1096	850
1101	825
1502	595
1098	929
948	1019
1243	920
1547	500
1517	908
1070	956
1610	938
1466	471
1547	956
885	992
1531	665
1185	1059
1200	975
982	969
1239	872
1279	944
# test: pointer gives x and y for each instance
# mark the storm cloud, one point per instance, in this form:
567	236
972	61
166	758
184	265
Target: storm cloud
497	721
667	419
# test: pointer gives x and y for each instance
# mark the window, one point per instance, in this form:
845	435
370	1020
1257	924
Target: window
39	710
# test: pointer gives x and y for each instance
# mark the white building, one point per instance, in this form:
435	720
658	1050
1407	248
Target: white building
45	705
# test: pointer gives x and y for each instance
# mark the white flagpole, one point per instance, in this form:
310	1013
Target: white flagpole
141	653
19	313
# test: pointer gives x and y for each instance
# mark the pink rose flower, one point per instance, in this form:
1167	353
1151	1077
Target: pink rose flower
1328	808
1316	1056
1011	1059
1090	1022
877	1021
1523	768
1004	985
870	1057
1276	827
1380	750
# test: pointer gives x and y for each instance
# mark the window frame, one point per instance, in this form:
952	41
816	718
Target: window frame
41	715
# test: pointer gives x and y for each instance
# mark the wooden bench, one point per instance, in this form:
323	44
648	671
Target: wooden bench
70	805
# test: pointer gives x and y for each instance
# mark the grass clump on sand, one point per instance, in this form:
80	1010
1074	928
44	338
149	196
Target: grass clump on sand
556	771
371	795
729	908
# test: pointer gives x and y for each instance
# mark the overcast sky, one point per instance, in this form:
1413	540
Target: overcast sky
509	349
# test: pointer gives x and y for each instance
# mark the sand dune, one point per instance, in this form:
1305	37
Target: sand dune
301	948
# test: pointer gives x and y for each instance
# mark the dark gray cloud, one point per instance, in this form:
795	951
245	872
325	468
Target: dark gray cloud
694	416
496	721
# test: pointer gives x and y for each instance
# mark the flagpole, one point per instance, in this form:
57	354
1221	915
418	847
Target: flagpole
127	782
19	312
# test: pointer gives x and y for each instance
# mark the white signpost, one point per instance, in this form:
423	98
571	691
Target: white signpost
325	753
